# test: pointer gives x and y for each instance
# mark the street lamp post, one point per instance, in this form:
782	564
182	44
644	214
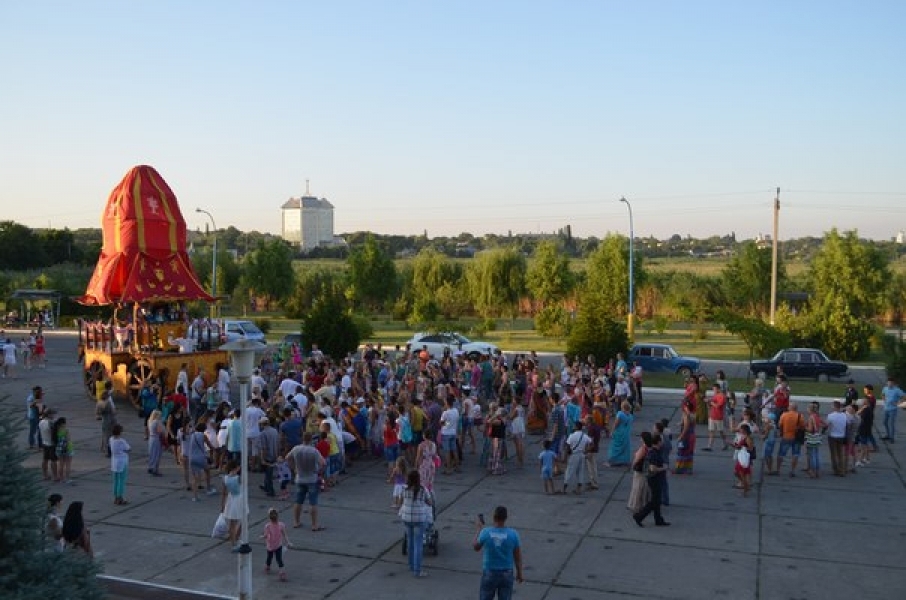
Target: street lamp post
213	263
242	357
630	326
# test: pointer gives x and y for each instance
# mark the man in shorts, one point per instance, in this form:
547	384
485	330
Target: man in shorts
789	422
306	462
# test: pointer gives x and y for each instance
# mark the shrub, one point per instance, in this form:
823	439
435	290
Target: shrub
552	321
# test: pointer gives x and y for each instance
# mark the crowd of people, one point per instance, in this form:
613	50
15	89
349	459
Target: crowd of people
310	419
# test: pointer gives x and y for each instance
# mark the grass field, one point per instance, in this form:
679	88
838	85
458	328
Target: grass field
519	335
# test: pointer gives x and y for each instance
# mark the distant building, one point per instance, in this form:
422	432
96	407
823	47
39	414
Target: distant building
901	237
308	222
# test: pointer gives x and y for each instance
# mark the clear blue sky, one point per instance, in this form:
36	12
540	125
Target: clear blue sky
463	116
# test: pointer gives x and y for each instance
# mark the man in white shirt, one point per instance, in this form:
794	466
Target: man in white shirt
836	439
253	416
288	385
449	425
259	382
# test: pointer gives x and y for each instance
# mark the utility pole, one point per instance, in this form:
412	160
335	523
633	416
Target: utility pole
774	256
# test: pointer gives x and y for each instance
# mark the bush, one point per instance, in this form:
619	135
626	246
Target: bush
400	310
896	357
552	321
595	333
661	323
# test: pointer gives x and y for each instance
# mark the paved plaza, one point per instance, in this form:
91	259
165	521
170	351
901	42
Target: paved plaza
793	538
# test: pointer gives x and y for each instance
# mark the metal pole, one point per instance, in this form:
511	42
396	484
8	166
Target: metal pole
630	326
774	256
213	264
242	355
245	551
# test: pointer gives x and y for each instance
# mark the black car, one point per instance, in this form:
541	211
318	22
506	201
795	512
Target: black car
802	363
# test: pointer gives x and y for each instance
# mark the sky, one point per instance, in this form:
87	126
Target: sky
450	117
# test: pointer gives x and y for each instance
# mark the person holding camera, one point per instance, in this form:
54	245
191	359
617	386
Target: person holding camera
502	555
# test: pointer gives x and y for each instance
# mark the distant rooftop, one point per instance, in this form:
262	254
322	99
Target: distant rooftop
306	202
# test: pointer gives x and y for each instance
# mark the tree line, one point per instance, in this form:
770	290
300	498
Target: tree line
837	304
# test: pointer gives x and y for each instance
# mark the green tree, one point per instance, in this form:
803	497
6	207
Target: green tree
549	279
595	331
311	284
229	272
268	271
762	338
330	325
607	274
496	281
747	279
372	275
22	249
29	569
846	276
433	287
60	247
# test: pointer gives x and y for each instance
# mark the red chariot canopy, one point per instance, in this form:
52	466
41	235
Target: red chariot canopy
143	257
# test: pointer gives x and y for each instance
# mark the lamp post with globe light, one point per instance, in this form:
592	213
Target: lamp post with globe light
630	325
242	359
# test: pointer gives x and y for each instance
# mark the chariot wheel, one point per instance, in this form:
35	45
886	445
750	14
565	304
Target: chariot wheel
140	373
95	375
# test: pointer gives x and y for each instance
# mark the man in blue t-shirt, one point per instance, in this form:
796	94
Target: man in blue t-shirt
892	395
502	553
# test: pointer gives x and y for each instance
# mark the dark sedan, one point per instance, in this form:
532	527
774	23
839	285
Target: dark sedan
801	363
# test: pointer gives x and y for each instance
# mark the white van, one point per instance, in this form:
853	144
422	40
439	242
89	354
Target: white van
224	331
242	330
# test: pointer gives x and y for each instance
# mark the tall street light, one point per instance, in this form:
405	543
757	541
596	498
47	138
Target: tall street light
213	263
242	358
630	327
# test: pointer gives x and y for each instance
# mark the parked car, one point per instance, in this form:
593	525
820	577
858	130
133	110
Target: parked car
801	362
454	343
662	358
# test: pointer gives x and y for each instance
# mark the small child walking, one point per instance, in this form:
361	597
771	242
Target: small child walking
547	458
284	476
275	539
398	478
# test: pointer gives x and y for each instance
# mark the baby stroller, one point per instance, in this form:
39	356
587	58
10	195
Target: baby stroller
432	537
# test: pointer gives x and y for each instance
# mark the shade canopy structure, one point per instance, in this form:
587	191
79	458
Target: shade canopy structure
143	257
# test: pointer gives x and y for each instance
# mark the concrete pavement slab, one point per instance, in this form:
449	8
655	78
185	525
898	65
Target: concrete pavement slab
640	568
797	578
835	541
